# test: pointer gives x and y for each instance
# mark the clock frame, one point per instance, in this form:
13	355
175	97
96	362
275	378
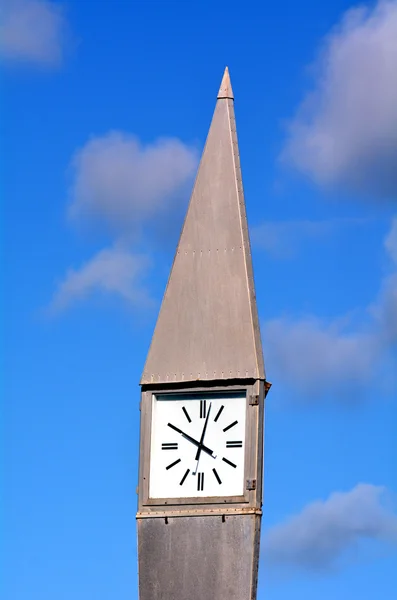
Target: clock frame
251	497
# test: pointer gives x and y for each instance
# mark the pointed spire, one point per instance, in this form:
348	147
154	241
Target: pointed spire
225	91
208	325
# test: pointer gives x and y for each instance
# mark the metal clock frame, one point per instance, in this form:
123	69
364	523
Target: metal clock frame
251	500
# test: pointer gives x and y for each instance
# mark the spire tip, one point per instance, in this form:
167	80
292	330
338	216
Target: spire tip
225	91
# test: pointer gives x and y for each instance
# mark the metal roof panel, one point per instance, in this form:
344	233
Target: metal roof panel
208	328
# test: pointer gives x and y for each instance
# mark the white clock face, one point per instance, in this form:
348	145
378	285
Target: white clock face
197	445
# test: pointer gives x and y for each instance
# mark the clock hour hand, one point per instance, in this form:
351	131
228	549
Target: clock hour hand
192	440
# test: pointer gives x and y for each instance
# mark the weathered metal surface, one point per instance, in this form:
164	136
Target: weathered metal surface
222	509
208	326
199	558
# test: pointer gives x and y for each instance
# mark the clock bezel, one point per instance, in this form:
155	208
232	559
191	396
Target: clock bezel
252	461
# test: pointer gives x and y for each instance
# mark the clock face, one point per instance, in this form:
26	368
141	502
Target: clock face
197	445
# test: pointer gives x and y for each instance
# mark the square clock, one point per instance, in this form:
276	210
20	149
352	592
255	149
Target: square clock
197	445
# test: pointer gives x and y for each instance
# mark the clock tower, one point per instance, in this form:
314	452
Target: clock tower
203	391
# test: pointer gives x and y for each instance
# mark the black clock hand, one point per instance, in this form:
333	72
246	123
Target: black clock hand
195	442
203	434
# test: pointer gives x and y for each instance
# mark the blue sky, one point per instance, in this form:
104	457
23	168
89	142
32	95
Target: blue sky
106	107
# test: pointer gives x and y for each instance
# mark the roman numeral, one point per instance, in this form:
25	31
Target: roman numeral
203	409
182	481
200	482
218	414
186	414
229	462
215	472
230	426
169	446
234	444
173	464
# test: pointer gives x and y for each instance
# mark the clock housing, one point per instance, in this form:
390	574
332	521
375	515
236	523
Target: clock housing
162	490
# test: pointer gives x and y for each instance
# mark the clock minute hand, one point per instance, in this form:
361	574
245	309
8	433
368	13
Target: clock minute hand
201	445
195	442
203	434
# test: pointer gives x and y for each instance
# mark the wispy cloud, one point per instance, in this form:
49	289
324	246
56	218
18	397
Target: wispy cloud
284	239
391	241
345	131
113	271
318	357
324	532
122	182
315	357
32	31
385	310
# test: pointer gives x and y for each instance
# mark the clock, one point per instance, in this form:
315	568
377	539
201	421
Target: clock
197	445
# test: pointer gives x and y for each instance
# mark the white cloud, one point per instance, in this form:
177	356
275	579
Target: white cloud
112	271
321	535
391	241
283	239
385	309
314	356
345	131
32	31
122	182
317	357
